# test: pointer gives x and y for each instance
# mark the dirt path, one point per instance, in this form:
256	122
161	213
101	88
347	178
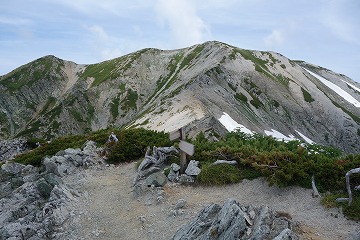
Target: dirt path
109	209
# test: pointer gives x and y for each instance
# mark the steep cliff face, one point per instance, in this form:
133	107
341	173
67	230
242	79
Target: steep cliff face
164	90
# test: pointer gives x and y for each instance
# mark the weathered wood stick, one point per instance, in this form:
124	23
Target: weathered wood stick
316	192
347	177
340	200
231	162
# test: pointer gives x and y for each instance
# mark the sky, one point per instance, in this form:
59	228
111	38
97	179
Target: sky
322	32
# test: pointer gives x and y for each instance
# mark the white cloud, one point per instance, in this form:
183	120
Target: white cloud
99	34
107	47
276	37
185	25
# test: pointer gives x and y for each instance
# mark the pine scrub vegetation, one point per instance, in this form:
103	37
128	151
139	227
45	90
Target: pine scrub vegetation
281	163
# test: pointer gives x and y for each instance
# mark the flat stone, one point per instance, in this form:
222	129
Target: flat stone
157	179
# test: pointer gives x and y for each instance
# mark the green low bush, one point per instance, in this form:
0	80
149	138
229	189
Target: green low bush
133	143
35	156
281	163
351	212
218	174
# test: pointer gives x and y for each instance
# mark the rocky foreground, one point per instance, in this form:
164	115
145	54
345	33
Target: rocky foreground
75	195
34	201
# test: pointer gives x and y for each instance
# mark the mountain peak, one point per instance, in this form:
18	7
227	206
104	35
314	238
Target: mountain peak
164	90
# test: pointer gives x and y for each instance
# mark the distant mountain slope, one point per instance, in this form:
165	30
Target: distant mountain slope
164	90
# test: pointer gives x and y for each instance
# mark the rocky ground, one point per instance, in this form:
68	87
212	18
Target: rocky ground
75	195
109	209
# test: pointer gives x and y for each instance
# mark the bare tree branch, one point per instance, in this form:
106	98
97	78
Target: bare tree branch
348	187
231	162
316	192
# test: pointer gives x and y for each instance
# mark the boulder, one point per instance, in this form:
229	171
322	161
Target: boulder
232	221
174	173
157	179
51	167
12	167
192	168
90	148
198	228
44	188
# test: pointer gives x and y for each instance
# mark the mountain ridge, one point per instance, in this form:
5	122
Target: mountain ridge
168	89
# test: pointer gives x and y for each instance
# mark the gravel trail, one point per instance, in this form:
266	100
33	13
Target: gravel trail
108	209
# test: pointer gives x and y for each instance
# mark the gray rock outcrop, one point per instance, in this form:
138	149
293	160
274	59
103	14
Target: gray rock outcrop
34	204
11	148
234	221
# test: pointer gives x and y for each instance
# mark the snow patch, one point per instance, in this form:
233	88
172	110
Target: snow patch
336	89
279	135
357	89
231	125
308	140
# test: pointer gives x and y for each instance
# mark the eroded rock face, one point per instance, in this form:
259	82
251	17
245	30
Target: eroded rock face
33	202
234	221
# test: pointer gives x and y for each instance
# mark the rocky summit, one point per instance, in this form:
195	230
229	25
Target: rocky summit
256	91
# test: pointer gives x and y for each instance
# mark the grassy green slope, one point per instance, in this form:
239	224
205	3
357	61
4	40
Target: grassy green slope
26	75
